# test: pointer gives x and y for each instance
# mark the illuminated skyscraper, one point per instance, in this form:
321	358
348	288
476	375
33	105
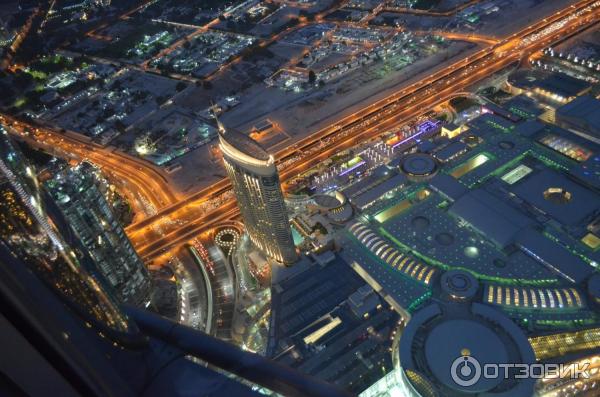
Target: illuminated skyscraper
76	192
255	182
32	230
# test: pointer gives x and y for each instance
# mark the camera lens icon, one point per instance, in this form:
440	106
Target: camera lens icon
465	371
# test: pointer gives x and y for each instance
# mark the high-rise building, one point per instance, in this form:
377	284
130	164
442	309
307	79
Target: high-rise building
32	230
76	192
255	182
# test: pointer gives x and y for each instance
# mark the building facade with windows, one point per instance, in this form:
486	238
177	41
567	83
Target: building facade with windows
32	230
256	185
76	191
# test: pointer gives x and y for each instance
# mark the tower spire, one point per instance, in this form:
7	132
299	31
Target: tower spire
213	109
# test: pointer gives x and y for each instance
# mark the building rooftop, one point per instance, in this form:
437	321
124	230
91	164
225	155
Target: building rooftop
553	255
588	171
563	85
320	325
556	83
70	181
524	107
329	201
364	199
375	177
490	216
244	144
306	296
418	165
450	151
529	128
583	112
558	196
437	336
448	186
594	287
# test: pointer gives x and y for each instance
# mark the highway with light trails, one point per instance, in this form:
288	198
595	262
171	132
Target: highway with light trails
177	221
366	124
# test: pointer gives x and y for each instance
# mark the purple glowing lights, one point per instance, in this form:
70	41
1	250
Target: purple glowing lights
424	127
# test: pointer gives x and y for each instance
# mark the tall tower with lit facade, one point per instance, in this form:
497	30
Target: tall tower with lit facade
32	230
255	182
76	192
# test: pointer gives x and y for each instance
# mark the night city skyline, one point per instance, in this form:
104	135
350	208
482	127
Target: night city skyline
371	198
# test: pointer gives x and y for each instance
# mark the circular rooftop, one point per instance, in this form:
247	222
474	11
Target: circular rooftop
452	339
526	78
506	144
327	201
418	165
594	287
557	195
449	344
337	206
459	285
420	223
